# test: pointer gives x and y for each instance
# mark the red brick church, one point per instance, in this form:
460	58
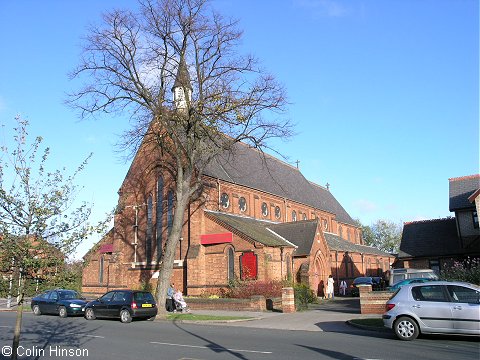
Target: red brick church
259	219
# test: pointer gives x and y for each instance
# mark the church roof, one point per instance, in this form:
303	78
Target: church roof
256	230
460	190
300	233
251	168
335	242
436	237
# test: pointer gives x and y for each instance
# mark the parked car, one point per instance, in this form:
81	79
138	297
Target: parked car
59	301
407	282
363	280
123	304
434	307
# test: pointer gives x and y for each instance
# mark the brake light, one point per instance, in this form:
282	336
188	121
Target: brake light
389	307
134	305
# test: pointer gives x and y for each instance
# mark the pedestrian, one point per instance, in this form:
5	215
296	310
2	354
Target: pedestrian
330	283
169	302
343	287
321	290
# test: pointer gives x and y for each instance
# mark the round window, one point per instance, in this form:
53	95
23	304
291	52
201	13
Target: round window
242	204
224	200
294	215
278	213
264	209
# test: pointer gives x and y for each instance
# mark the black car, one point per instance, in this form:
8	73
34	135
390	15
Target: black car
363	280
123	304
59	301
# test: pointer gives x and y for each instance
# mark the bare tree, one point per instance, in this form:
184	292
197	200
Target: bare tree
40	221
133	60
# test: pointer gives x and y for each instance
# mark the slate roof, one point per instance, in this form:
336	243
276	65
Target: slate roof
183	77
300	233
256	230
460	190
249	167
436	237
335	242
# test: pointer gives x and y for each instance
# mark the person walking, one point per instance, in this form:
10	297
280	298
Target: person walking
330	283
343	287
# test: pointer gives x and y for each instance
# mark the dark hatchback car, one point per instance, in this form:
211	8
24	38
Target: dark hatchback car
363	280
59	301
123	304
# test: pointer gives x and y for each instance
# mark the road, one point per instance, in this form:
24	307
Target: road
47	337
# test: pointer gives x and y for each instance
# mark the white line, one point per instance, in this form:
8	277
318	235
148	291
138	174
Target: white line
94	336
212	348
5	326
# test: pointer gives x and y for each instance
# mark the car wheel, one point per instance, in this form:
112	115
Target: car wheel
406	328
125	316
90	314
36	310
62	312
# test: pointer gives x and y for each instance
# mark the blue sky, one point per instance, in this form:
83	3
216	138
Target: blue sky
385	94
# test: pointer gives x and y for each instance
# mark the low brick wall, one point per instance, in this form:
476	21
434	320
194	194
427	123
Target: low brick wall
255	303
373	302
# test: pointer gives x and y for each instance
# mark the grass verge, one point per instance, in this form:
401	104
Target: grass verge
197	317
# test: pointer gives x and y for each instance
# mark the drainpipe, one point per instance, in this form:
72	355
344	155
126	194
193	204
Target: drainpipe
218	198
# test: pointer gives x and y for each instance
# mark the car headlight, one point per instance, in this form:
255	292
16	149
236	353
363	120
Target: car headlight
75	306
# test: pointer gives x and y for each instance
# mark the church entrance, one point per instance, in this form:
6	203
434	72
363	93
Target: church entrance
318	285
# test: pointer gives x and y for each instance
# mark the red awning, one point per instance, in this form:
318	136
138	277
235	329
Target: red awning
216	238
106	248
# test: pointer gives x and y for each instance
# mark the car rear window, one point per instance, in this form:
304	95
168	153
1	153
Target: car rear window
143	296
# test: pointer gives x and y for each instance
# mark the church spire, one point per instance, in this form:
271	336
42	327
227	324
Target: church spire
182	84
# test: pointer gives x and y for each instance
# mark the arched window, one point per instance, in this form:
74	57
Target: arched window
340	231
225	200
159	216
100	270
294	215
231	265
242	204
264	209
170	210
278	212
148	242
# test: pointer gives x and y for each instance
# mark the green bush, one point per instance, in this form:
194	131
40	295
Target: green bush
303	296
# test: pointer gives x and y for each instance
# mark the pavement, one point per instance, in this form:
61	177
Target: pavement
328	315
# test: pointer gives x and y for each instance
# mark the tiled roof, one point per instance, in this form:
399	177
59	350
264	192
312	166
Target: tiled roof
335	242
183	77
436	237
460	189
256	230
300	233
249	167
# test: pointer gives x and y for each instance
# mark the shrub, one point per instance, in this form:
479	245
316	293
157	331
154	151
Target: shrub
303	296
467	270
245	289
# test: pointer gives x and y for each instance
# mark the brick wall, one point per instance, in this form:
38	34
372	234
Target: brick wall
373	302
255	303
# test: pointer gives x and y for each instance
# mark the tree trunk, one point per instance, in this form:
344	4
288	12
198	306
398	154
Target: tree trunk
166	267
18	322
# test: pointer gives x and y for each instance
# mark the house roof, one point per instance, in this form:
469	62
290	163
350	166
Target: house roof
335	242
255	230
460	189
436	237
249	167
300	233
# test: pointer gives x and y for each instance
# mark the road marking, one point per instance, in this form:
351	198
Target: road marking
212	348
5	326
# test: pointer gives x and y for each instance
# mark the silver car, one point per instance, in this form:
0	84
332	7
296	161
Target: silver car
437	307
